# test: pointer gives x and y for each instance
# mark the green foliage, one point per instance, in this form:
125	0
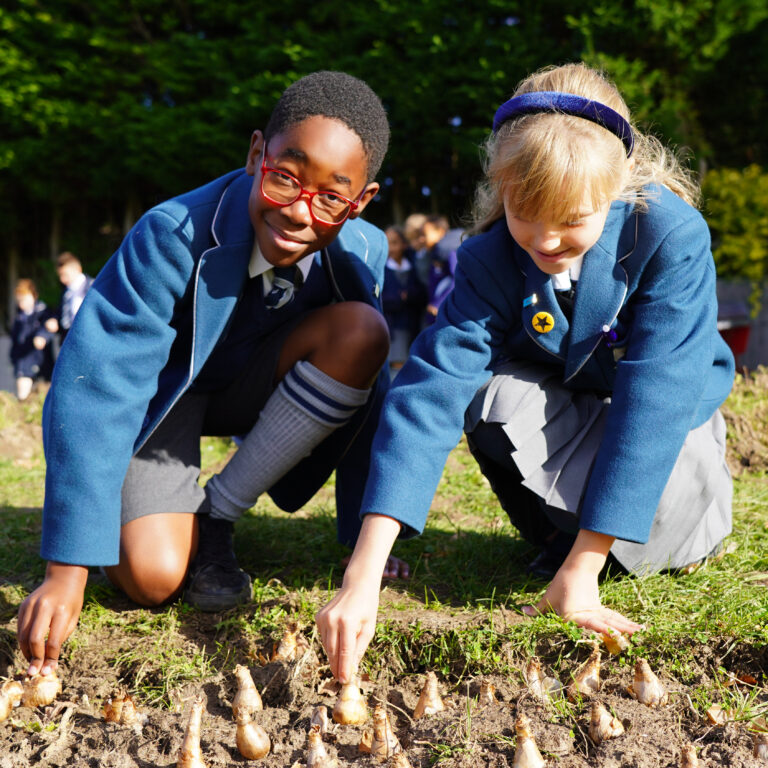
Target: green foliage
106	108
736	207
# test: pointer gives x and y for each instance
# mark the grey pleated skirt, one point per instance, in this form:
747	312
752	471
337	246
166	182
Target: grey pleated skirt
554	436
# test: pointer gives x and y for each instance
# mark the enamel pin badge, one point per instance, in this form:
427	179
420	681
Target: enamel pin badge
543	322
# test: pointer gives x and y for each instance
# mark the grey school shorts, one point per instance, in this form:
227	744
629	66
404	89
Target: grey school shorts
163	475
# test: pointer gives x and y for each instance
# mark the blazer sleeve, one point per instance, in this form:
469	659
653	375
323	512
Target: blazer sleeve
423	415
104	378
659	384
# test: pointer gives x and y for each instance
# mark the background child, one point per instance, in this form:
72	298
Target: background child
441	244
75	284
578	349
250	307
29	338
404	297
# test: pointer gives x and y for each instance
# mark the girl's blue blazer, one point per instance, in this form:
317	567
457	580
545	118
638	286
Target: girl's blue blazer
651	279
144	332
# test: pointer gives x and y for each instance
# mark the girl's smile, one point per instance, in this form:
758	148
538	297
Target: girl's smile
555	245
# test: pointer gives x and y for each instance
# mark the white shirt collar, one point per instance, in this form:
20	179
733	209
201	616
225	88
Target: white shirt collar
78	281
403	266
562	280
259	265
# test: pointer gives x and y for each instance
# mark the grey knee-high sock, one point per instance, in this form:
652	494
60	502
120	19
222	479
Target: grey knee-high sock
304	409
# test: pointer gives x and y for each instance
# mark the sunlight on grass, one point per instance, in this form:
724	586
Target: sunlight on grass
458	615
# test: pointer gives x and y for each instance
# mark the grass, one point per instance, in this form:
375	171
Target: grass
458	615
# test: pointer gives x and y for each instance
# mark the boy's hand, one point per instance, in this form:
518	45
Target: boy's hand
574	593
49	615
347	623
39	342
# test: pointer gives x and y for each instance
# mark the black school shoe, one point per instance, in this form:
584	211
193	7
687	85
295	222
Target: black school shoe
547	563
216	582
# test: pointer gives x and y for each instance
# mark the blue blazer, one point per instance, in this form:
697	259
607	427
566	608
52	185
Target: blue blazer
651	278
142	335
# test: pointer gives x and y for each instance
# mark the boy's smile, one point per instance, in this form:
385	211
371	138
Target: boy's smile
321	154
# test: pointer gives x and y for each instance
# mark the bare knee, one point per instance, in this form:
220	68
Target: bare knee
155	551
154	582
360	334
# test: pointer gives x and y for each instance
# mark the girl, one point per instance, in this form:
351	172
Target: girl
29	338
578	350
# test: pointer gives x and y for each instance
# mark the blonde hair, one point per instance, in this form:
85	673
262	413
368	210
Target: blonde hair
551	161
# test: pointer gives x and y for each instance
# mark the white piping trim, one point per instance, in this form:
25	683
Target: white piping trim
365	240
194	326
621	303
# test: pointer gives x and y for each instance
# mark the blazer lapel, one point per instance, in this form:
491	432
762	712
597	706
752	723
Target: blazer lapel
222	270
602	287
542	318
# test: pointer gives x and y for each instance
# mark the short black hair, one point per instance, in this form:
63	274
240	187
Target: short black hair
338	96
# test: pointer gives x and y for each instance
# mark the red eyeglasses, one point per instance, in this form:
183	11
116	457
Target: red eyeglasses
280	188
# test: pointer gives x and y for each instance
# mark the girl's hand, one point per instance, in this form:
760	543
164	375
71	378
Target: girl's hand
347	623
49	615
346	626
574	594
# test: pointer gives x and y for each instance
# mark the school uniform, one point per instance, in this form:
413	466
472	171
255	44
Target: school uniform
403	315
27	361
640	356
159	310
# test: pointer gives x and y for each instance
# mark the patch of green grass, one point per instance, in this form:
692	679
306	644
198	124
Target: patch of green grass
461	606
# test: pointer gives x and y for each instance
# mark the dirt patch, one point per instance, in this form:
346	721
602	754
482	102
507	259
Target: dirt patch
73	731
746	414
20	440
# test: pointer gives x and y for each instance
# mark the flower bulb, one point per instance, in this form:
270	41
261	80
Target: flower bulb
11	693
320	719
350	708
540	687
252	740
191	756
646	687
527	754
603	725
384	743
429	701
121	709
586	681
688	758
615	642
40	690
317	755
247	700
760	745
292	645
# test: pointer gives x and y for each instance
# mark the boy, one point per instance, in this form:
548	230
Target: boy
246	307
75	284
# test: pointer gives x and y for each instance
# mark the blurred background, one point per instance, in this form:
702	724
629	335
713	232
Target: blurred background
109	107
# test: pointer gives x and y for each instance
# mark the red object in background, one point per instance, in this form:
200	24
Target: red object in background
734	324
736	338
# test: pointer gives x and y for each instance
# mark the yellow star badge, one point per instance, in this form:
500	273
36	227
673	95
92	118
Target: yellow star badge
543	322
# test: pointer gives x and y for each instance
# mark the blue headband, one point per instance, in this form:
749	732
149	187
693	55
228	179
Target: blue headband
569	104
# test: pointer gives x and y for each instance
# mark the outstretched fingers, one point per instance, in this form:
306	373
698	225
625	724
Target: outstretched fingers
603	620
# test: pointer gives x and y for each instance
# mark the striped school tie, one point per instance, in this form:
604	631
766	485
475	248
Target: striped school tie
282	290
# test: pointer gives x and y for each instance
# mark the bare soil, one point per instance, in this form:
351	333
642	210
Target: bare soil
73	731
